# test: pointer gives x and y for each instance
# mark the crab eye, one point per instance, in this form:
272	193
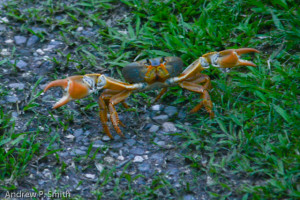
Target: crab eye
163	60
148	62
101	82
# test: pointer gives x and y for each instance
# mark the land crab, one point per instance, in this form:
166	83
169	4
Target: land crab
145	75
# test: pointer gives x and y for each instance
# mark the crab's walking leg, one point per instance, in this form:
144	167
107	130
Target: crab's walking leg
114	100
103	116
193	84
162	92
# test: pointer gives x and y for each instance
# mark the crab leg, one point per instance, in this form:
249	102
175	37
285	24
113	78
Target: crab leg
114	100
193	85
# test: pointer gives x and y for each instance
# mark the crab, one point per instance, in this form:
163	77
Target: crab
148	74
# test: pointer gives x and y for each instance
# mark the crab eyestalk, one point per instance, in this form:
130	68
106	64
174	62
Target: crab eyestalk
230	58
77	87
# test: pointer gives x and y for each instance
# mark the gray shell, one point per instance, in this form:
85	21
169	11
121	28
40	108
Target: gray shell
136	71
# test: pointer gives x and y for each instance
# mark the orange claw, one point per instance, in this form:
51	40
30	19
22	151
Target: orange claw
74	89
230	58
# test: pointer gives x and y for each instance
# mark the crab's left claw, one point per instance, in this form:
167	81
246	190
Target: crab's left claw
74	86
231	58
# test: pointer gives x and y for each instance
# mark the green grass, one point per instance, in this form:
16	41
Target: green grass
251	147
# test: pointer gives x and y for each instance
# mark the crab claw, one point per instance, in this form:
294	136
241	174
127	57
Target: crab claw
74	88
231	58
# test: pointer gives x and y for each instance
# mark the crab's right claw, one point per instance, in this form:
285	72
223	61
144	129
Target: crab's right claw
73	86
231	58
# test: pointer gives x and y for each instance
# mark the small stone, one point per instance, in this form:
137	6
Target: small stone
20	39
137	151
5	52
144	167
169	127
182	114
98	143
130	142
99	166
158	158
2	28
3	20
32	40
19	86
209	181
47	65
161	143
105	138
120	158
90	176
21	65
47	173
9	41
117	145
189	197
14	115
40	52
138	159
153	128
170	110
12	99
78	132
156	107
70	136
79	29
108	159
161	118
79	152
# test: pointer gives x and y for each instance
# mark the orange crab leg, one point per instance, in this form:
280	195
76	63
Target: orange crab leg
193	85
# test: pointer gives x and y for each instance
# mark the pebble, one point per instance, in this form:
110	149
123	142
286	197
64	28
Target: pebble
161	143
153	128
181	114
169	127
144	167
189	197
47	173
20	39
108	159
90	176
40	52
120	158
98	143
32	40
3	20
138	159
9	41
12	99
2	28
99	166
158	158
79	29
105	138
22	65
5	52
79	152
170	110
161	118
156	107
137	151
78	132
130	142
19	86
117	145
